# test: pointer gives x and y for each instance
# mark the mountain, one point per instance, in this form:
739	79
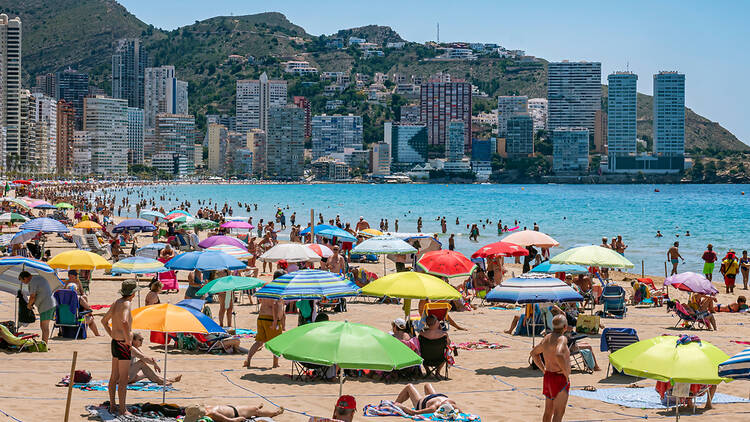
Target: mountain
212	54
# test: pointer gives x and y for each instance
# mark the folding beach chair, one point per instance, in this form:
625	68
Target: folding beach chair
94	246
434	355
302	371
168	280
658	296
19	341
70	320
688	319
335	305
613	297
577	358
80	243
614	339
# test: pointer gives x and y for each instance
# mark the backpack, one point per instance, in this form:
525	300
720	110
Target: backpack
81	376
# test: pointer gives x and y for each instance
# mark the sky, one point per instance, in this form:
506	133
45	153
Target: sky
706	40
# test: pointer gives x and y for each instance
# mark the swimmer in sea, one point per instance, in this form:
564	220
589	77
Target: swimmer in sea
658	234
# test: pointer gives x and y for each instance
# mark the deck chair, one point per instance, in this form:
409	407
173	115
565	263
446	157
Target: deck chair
182	243
80	243
335	305
94	246
303	371
433	356
69	318
20	342
688	319
657	295
614	339
577	358
681	394
613	297
168	280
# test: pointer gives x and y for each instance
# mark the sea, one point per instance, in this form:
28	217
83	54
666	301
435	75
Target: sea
575	215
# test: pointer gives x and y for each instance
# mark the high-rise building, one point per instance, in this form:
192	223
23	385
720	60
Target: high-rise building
65	131
176	136
10	91
669	113
106	121
408	143
73	86
45	117
81	153
304	103
600	132
507	107
285	142
574	94
254	100
454	148
410	114
26	160
381	159
46	84
570	149
519	141
256	142
229	122
135	136
538	112
217	148
332	134
129	63
621	114
158	83
441	102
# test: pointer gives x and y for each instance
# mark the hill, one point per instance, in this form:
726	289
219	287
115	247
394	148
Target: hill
372	33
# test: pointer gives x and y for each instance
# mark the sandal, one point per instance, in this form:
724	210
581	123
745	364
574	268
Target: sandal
589	388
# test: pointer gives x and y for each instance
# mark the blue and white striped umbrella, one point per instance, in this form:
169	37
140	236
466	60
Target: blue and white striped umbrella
11	267
531	289
44	224
384	245
137	265
151	214
308	284
338	233
737	367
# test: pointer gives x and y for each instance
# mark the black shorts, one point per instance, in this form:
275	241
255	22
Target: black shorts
120	350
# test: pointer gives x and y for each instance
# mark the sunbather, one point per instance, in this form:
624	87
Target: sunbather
740	305
228	412
139	365
429	402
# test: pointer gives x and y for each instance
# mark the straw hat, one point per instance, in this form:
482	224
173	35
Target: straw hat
194	412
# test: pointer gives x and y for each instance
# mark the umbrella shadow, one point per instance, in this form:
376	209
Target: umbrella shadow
275	378
504	371
619	379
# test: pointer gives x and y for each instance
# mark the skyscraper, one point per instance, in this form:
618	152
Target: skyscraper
538	112
519	139
45	117
135	136
454	148
570	149
254	100
574	94
304	103
408	143
129	63
73	86
621	114
47	84
155	81
217	148
176	136
441	102
331	134
669	113
10	90
507	107
256	142
65	132
285	142
106	121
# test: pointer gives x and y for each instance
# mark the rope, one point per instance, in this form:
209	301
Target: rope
10	416
222	372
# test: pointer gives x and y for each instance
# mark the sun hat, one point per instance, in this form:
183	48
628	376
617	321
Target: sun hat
128	287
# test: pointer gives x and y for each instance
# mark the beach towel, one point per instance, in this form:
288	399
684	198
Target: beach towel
97	307
644	398
387	408
478	345
101	385
499	308
244	332
102	412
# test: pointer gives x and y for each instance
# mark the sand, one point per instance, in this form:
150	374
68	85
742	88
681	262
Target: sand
495	384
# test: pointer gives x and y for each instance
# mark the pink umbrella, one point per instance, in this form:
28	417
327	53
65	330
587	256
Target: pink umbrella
322	250
237	225
691	282
222	240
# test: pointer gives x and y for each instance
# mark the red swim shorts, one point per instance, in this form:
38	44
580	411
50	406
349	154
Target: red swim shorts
554	383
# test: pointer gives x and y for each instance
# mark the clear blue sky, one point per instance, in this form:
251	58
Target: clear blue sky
706	40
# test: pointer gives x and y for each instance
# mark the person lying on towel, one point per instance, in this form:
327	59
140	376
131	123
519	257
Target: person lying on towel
228	413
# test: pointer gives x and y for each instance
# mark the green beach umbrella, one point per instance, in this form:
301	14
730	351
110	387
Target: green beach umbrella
346	344
230	283
592	255
198	223
12	217
665	359
63	205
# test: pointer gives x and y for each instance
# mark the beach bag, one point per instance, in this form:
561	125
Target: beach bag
587	324
25	315
81	376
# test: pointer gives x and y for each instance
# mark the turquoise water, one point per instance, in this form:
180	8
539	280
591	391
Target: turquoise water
572	214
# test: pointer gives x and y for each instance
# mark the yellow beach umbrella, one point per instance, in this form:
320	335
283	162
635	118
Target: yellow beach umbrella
371	232
87	224
411	285
78	260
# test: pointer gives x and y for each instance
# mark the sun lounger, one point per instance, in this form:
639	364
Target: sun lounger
21	341
614	339
94	246
613	297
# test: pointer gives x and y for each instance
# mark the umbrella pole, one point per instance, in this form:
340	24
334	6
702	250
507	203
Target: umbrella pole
164	386
341	382
533	326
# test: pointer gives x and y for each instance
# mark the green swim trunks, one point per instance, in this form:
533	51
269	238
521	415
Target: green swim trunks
708	268
47	315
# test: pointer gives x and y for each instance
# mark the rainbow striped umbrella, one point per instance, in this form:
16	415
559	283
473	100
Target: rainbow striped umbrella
138	265
310	285
175	213
231	250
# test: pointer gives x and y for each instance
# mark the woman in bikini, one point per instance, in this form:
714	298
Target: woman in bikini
430	402
229	413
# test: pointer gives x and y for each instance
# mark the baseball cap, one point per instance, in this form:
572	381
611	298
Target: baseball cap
346	402
282	263
400	323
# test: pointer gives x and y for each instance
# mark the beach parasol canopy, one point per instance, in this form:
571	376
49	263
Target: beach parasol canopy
549	268
230	283
446	263
23	236
500	249
411	285
87	224
11	267
531	238
370	232
199	223
43	205
78	260
239	253
290	252
663	359
222	240
380	245
151	250
22	182
204	261
336	232
237	225
533	289
12	217
322	251
176	213
63	205
317	228
592	255
152	214
691	282
17	201
308	284
134	225
736	367
138	265
44	224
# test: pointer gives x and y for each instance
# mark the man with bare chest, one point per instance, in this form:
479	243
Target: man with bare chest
556	368
122	322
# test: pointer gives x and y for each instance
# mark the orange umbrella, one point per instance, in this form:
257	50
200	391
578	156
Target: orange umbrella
531	238
87	224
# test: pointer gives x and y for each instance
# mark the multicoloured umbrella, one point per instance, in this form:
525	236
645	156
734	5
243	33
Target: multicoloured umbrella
290	252
181	219
533	289
204	261
237	225
17	201
12	217
134	225
549	268
11	267
691	282
446	263
323	251
44	224
736	367
88	224
500	249
222	240
78	260
230	283
411	285
531	238
175	213
370	232
138	265
308	284
592	255
230	250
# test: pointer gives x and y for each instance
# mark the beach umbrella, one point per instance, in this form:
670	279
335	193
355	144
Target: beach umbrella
237	225
138	265
531	238
12	217
222	240
592	255
134	225
152	214
381	245
290	252
22	182
500	249
78	260
239	253
199	223
691	282
445	263
17	201
346	344
670	359
43	205
736	367
323	251
204	261
151	250
6	238
176	213
549	268
336	232
533	289
308	285
11	267
168	318
63	205
23	236
88	224
411	285
44	224
230	283
317	228
370	232
181	219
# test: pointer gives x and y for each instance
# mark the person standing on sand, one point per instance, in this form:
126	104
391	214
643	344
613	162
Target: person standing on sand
270	324
40	294
120	331
673	254
336	263
362	224
709	261
556	369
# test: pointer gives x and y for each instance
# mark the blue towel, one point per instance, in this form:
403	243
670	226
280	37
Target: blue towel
244	331
644	398
94	385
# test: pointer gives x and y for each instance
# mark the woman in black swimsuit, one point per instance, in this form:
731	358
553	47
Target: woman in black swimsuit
430	402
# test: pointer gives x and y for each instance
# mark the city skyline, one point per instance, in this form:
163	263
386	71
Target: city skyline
683	43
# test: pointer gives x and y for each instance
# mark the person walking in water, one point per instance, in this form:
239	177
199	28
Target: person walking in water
709	261
673	254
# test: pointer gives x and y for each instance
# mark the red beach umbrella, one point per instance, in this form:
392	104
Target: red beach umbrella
22	182
500	249
446	263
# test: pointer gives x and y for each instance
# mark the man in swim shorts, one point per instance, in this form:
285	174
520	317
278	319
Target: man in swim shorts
122	321
709	261
270	325
556	368
673	254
